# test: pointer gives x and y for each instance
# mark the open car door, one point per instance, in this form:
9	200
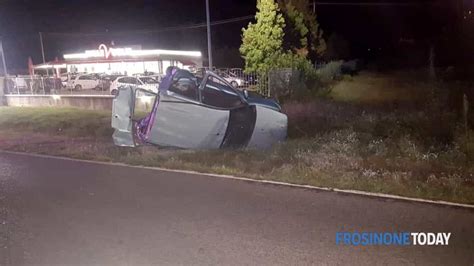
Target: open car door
182	121
122	113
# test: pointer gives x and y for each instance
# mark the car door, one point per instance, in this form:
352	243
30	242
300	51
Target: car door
217	92
182	121
122	112
87	82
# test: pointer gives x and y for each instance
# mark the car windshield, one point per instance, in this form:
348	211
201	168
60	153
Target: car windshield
149	80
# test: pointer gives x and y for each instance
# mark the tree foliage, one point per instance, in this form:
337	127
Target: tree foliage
302	32
282	38
338	48
262	40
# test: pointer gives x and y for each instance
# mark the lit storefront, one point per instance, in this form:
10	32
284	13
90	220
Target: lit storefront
125	60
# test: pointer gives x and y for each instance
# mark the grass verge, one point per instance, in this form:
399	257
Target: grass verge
360	151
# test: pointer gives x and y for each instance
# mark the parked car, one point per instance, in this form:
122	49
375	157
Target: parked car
64	79
105	81
233	79
250	78
82	82
147	83
198	113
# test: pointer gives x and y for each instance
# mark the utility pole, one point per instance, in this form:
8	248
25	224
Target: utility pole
209	45
5	72
42	51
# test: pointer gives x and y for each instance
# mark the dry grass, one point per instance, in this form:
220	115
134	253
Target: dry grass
381	88
332	145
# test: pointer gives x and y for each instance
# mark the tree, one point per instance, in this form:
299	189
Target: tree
302	32
338	48
262	40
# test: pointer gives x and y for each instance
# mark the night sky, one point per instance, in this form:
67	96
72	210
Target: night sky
76	25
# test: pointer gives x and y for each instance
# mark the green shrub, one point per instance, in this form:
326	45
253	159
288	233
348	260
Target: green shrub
330	71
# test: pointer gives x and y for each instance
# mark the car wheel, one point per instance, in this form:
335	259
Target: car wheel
114	92
234	84
78	87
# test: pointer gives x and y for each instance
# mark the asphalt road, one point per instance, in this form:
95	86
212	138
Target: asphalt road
60	212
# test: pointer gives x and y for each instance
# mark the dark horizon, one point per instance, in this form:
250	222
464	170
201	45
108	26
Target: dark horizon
66	26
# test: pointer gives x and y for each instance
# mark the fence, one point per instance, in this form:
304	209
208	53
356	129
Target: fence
38	85
240	79
31	85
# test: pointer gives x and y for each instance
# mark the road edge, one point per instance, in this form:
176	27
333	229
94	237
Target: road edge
343	191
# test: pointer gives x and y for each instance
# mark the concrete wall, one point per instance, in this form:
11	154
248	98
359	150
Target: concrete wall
89	102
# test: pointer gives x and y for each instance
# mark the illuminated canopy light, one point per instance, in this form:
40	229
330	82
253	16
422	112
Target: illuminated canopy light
119	52
50	66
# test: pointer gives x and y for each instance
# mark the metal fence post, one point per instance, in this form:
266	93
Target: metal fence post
42	84
268	85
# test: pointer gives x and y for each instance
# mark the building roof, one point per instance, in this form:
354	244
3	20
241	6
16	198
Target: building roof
125	54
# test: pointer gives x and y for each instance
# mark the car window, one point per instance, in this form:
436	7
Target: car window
217	93
185	86
129	80
134	81
111	78
85	78
148	80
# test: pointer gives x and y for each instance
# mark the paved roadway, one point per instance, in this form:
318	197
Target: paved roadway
61	212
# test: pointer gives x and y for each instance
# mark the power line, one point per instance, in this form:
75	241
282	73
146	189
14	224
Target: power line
369	3
183	27
226	21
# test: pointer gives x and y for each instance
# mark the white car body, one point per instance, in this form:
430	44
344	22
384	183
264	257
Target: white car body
82	82
146	83
194	113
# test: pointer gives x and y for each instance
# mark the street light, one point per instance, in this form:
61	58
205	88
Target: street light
209	45
5	72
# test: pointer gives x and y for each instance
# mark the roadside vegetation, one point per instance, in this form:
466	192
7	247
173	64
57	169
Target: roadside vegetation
417	149
400	133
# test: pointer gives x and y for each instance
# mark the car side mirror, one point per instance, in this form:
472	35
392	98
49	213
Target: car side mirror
246	94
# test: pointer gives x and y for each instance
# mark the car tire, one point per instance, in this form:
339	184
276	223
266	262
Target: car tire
114	92
234	84
78	87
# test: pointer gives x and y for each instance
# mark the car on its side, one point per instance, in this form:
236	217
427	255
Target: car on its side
193	112
146	83
84	82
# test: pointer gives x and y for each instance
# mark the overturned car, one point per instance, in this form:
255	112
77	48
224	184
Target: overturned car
194	112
